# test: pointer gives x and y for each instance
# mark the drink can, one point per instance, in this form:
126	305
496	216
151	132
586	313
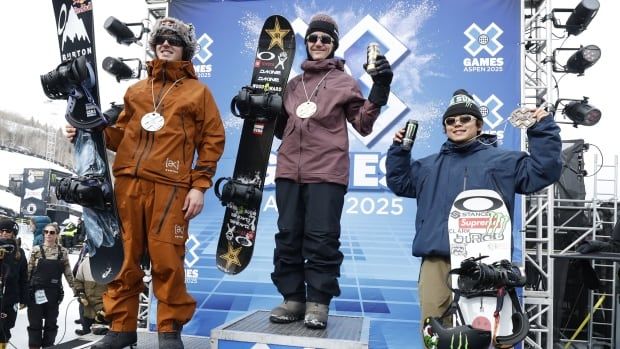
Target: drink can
372	51
411	129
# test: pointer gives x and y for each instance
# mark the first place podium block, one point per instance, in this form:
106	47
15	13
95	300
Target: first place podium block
342	332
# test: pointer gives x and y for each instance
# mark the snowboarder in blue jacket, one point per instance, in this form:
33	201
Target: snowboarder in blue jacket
468	160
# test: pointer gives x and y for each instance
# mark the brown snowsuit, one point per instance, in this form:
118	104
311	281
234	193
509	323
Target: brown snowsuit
154	173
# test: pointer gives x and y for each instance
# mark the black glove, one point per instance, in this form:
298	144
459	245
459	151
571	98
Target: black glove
595	246
382	74
382	78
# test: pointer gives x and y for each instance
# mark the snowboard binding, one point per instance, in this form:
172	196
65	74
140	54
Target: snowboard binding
237	192
74	80
92	191
477	276
256	103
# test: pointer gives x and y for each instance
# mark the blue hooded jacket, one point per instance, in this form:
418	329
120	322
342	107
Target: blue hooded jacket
40	222
437	179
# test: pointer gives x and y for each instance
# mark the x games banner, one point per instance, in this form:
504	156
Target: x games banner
435	47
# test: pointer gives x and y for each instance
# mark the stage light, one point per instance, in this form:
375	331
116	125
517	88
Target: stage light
579	18
120	70
121	31
580	112
582	59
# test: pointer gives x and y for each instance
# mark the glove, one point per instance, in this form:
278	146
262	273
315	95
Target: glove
382	78
594	246
100	317
84	301
382	74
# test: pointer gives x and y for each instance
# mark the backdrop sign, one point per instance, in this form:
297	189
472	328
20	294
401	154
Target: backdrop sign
435	47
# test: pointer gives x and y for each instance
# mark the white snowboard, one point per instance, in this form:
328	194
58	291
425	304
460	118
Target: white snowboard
479	225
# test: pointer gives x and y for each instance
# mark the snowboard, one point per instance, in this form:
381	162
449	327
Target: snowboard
258	105
479	225
76	81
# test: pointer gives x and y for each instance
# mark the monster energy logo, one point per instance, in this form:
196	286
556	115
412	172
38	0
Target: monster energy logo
461	345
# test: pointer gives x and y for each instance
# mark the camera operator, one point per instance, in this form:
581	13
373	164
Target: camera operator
469	159
13	279
45	268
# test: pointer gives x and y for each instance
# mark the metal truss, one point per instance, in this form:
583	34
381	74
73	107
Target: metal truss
542	224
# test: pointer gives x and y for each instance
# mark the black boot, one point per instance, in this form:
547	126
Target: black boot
170	340
117	340
86	323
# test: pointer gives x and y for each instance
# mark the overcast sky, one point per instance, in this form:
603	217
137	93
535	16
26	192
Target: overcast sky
30	49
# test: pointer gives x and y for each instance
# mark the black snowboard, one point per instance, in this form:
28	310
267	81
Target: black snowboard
259	104
75	79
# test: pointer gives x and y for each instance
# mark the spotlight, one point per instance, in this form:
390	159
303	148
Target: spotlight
580	112
582	59
580	17
121	31
120	70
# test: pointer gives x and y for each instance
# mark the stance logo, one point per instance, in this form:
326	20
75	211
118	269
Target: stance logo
172	166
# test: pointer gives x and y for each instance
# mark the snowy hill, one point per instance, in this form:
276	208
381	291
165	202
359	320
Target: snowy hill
14	163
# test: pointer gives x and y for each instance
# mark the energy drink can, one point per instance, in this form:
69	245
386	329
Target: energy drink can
411	129
372	51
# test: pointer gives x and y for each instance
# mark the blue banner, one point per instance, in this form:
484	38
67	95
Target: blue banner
435	48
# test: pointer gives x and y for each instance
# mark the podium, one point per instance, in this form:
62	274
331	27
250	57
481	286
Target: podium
254	330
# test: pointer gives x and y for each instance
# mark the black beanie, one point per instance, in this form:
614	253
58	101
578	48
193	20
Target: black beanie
462	103
323	23
10	225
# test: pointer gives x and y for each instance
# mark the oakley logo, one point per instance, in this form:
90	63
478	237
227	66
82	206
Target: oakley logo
483	39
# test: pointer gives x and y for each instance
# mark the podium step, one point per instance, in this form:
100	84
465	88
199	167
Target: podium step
342	332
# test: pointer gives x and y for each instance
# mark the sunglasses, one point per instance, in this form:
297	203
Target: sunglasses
6	231
463	119
325	39
173	40
51	232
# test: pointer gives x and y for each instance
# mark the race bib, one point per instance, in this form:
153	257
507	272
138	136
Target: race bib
39	297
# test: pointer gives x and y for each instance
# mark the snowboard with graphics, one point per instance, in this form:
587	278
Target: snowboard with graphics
479	225
78	84
259	105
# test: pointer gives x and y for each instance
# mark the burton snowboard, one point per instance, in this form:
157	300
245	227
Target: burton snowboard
479	225
75	80
259	105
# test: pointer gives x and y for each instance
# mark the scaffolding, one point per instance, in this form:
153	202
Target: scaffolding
554	225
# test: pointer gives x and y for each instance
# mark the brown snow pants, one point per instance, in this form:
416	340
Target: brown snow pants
152	218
